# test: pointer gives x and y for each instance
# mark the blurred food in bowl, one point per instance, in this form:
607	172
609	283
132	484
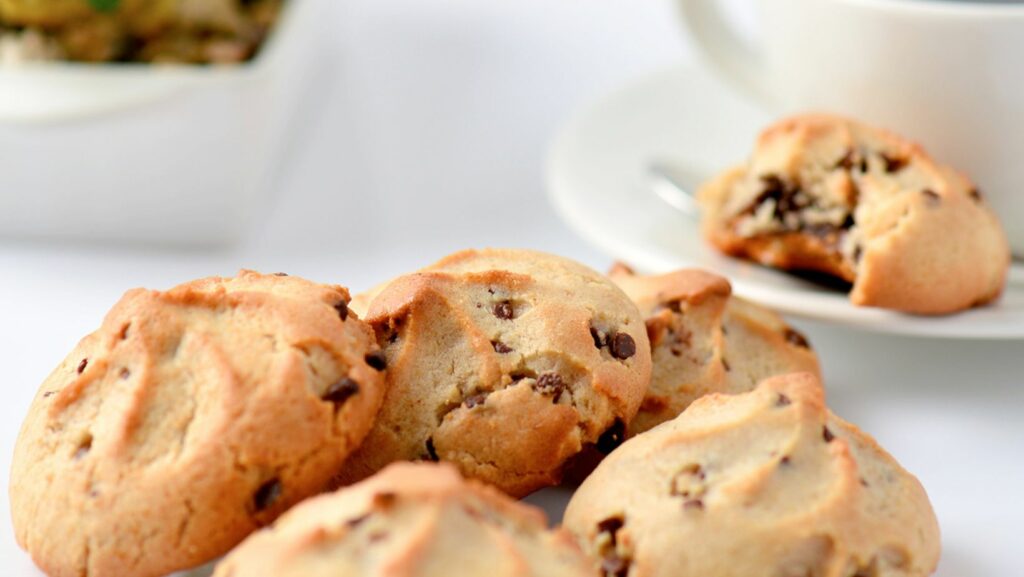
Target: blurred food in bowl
188	153
172	31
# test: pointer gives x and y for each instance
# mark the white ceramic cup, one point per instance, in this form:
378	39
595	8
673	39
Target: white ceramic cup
946	73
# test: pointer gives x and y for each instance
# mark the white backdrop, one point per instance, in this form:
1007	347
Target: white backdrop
426	133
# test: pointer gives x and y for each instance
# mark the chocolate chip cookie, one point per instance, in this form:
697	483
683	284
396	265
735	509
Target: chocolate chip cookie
827	194
505	363
762	483
410	519
189	419
704	340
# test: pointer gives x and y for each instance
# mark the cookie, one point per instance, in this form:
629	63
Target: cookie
360	303
506	363
831	195
189	419
704	340
411	519
762	483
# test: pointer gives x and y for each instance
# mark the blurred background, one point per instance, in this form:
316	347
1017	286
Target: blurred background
421	127
403	130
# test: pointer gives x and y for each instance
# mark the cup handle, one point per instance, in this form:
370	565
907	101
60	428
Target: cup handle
718	43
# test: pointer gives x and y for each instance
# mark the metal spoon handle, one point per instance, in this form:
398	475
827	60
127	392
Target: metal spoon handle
673	185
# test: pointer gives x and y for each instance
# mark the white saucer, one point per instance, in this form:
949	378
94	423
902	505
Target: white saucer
598	178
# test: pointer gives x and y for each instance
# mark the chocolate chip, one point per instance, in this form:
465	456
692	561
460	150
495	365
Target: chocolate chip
621	346
501	348
611	526
550	384
82	365
772	189
675	306
124	374
49	393
827	435
280	274
612	564
266	495
612	437
725	365
785	460
357	521
893	163
846	162
340	391
795	338
787	197
376	360
863	165
931	196
84	446
389	330
598	341
975	194
384	500
772	182
431	452
858	252
863	482
503	310
474	400
695	504
342	308
782	400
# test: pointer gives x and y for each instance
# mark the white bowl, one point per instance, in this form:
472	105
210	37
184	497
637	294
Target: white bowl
157	154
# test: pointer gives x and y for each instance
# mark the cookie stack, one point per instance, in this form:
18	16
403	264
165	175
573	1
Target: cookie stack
197	416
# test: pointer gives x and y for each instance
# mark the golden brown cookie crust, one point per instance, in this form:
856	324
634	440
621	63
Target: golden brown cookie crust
829	194
409	520
192	417
763	483
505	363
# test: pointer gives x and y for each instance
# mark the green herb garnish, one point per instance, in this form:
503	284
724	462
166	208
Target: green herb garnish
104	5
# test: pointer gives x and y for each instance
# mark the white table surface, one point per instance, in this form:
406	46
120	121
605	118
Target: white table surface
427	134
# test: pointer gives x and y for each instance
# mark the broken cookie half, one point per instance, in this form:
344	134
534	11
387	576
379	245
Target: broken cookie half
827	194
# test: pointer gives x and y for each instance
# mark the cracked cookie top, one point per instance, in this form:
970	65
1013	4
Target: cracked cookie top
409	520
705	340
190	418
866	206
763	483
506	363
